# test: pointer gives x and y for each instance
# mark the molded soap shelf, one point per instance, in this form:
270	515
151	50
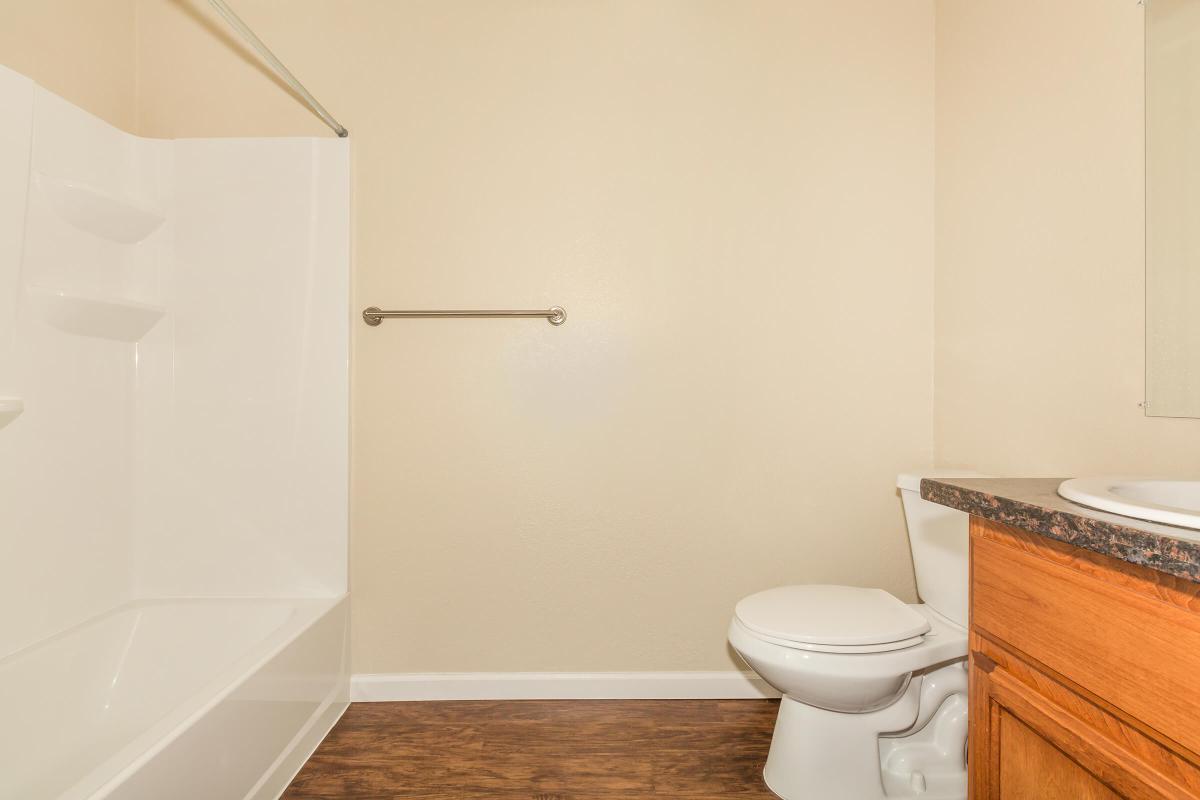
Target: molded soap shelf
98	212
103	317
10	409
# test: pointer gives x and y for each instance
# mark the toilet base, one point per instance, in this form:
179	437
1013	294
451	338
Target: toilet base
822	755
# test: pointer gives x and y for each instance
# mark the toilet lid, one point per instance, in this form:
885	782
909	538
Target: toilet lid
830	615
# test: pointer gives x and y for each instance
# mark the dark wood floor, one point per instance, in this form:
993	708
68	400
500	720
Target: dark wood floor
544	750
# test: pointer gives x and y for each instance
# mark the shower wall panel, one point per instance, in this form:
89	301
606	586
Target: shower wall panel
244	435
173	366
66	470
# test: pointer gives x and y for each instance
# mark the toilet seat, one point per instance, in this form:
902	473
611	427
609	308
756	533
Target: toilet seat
832	619
865	649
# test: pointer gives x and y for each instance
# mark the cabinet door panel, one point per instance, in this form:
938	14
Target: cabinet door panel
1093	748
1033	769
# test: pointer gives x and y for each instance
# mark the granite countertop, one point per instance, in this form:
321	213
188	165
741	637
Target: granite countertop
1034	505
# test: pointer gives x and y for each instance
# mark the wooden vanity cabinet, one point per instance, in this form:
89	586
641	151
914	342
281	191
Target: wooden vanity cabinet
1084	673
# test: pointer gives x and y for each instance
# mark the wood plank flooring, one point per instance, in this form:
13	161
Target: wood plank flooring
544	750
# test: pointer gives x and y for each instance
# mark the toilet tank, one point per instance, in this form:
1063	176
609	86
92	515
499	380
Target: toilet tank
940	547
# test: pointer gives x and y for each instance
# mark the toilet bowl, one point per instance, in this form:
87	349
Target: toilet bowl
874	689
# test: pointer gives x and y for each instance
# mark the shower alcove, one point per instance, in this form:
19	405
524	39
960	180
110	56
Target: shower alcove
173	456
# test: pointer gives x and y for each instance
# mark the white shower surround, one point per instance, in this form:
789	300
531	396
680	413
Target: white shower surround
173	456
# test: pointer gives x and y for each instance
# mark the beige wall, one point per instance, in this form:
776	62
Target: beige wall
1040	266
733	202
81	49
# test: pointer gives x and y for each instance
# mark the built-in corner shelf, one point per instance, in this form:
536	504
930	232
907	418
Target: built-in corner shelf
100	213
102	317
10	409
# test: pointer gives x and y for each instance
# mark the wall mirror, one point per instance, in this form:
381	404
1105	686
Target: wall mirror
1173	208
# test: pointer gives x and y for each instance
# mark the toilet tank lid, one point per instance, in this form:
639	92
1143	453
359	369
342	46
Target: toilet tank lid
911	481
830	615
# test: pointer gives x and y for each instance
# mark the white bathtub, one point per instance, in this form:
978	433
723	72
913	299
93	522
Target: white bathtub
173	700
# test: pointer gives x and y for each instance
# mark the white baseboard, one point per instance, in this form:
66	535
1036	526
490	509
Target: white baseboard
558	686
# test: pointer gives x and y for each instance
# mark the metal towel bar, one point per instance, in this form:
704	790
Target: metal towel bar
555	315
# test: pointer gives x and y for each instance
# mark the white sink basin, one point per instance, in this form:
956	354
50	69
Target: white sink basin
1171	502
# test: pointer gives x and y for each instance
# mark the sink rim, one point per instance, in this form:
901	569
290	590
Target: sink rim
1099	494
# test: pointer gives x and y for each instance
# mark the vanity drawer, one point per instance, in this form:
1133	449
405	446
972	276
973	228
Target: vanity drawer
1128	635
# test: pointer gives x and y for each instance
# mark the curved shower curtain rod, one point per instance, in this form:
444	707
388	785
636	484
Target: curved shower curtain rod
244	30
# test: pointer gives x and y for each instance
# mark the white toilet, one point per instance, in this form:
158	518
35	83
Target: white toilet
874	690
